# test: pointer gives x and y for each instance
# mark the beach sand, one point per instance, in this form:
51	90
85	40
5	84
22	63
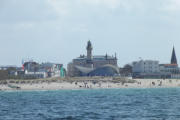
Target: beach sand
86	83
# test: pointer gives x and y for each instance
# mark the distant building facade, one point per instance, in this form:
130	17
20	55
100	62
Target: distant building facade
31	69
126	71
8	67
152	69
84	65
171	70
146	68
7	71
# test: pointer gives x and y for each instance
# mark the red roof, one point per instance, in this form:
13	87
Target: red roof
170	64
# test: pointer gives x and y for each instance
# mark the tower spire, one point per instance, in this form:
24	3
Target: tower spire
89	55
173	57
89	50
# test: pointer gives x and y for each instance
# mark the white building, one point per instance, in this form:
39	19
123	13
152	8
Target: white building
146	66
169	68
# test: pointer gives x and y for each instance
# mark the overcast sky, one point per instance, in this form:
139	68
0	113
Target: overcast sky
58	30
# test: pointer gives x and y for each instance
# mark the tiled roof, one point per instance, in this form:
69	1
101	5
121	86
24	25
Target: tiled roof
169	65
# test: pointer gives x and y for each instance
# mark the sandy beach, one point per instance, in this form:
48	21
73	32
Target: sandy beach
86	83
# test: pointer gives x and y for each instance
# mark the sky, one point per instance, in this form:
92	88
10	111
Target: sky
58	30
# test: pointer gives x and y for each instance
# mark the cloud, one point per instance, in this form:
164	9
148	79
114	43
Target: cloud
171	5
44	10
17	11
67	7
107	3
61	6
114	4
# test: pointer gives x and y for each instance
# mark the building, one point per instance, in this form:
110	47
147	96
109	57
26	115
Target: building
171	70
8	67
31	69
3	74
146	69
126	71
152	69
7	71
146	66
84	65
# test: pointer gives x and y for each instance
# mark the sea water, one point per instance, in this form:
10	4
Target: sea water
100	104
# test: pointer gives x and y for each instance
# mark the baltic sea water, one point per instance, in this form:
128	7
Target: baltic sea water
98	104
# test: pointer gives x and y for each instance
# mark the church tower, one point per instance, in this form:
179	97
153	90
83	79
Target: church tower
173	58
